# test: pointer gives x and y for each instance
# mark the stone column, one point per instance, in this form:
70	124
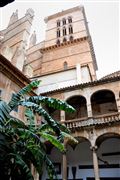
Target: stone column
89	110
64	158
117	99
89	106
78	72
95	163
64	176
118	104
62	116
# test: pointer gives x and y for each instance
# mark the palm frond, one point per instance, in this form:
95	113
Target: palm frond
69	137
36	108
18	96
46	128
36	156
50	169
63	127
53	140
51	102
16	123
30	118
20	163
4	111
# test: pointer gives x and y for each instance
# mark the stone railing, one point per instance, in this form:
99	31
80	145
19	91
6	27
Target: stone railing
92	121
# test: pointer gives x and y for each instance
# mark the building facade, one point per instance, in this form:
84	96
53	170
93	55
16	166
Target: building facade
66	64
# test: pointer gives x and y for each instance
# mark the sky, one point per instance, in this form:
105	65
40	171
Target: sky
102	17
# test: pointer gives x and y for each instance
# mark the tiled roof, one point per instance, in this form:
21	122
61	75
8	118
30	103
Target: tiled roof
115	74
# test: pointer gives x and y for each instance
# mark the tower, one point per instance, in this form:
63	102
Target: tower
66	57
15	37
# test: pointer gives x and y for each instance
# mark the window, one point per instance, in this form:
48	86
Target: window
58	32
69	20
58	23
58	42
64	21
64	39
65	65
64	31
71	38
70	29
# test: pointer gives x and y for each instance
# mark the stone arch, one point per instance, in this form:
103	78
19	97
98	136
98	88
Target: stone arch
80	139
103	102
105	136
108	150
78	156
79	103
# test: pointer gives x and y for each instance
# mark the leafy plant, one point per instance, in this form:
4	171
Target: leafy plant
22	145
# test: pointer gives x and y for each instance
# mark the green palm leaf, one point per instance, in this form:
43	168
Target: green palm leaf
53	140
4	111
23	144
69	137
30	118
20	163
18	96
51	102
36	108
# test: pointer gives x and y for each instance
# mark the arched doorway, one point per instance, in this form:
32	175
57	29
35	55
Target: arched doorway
79	103
103	102
80	161
108	154
56	158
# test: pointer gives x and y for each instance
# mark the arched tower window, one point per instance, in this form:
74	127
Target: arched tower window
64	31
71	38
58	32
65	64
69	20
70	29
58	42
64	39
64	21
58	23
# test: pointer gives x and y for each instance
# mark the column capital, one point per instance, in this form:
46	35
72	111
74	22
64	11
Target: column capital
93	148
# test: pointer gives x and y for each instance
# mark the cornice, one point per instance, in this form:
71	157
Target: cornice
62	13
56	46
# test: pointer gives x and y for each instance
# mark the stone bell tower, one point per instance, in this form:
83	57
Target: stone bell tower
15	37
67	35
66	57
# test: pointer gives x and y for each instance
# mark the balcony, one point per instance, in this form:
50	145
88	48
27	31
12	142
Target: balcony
76	124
